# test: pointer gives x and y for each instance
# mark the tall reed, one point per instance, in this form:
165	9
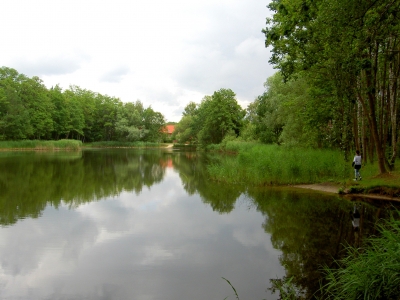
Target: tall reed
117	144
41	145
259	164
370	273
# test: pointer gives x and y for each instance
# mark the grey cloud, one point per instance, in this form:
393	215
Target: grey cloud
163	96
179	111
47	66
231	54
244	75
115	75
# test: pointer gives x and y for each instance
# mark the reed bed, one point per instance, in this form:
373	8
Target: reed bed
259	164
370	273
41	145
116	144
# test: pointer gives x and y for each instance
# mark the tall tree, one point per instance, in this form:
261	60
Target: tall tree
60	112
14	115
217	116
357	59
35	98
154	122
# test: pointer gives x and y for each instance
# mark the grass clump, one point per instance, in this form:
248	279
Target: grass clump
117	144
41	145
370	273
259	164
387	184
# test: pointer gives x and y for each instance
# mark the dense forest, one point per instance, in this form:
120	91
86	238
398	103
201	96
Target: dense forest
336	87
28	110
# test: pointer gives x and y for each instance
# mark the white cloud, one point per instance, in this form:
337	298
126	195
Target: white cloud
165	53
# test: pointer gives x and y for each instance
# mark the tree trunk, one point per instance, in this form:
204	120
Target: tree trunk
374	124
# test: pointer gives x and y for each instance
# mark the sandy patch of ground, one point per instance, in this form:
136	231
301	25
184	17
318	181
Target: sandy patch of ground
322	187
334	189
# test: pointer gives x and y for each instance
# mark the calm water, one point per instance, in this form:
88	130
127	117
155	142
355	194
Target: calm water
130	224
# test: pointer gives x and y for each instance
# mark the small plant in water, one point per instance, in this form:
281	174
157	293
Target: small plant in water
237	296
285	287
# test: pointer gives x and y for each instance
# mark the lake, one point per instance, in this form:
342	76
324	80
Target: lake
149	224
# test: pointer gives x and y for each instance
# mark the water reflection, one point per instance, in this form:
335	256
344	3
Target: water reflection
123	224
156	244
312	230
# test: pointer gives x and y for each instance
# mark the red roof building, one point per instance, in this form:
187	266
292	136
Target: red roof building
169	129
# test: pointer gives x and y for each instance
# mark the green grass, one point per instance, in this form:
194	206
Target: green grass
385	184
116	144
41	145
369	273
258	164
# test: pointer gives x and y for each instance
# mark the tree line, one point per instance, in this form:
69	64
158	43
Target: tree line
349	54
336	87
29	110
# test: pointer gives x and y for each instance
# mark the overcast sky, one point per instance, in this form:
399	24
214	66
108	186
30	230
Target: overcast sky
163	53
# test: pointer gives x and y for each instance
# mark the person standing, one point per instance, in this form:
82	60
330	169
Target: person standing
357	165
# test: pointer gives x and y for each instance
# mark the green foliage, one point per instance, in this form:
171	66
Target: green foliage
372	272
289	113
212	120
129	125
184	132
221	114
28	110
258	164
154	122
42	145
349	51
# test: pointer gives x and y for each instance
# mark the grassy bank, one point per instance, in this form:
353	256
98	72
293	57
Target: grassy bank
386	185
258	164
116	144
41	145
185	146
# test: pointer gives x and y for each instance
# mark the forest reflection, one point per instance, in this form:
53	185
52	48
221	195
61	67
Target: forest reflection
310	229
31	180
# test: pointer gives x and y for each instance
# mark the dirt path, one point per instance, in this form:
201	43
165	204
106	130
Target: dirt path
324	187
334	189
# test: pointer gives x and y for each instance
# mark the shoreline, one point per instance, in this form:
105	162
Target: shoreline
335	189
